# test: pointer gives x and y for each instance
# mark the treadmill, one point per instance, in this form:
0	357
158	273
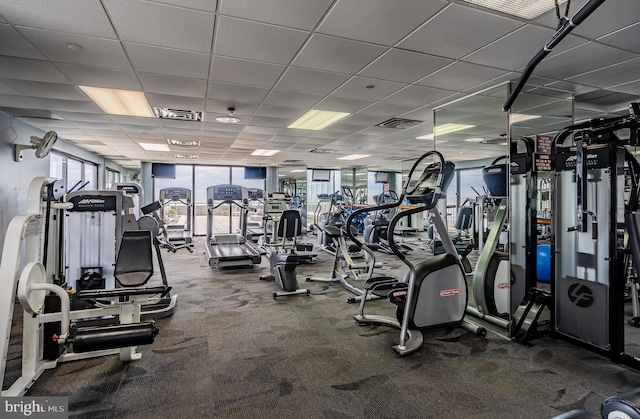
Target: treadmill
177	233
255	229
229	249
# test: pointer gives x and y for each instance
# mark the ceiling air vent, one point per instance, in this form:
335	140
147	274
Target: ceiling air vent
399	123
178	114
323	150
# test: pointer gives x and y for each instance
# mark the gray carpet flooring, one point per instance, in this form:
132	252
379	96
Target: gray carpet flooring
232	351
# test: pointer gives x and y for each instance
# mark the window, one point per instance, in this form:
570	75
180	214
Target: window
206	176
176	212
91	175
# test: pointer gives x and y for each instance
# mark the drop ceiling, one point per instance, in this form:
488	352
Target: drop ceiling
274	60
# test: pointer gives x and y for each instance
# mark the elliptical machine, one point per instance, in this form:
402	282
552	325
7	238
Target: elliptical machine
433	293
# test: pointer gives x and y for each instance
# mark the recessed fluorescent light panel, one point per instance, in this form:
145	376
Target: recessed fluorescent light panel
514	118
316	119
449	128
155	147
183	143
298	171
475	140
119	102
263	152
183	156
526	9
354	157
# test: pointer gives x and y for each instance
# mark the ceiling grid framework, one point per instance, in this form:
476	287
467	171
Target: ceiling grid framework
273	61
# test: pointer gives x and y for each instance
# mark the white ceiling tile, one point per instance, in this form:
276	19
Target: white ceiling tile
5	89
218	108
46	90
205	5
584	58
522	44
341	104
24	69
69	105
234	92
606	19
378	21
233	70
418	96
84	117
611	76
178	86
625	39
291	13
183	125
134	120
100	77
176	102
404	66
97	126
257	41
361	119
218	126
13	101
446	37
98	52
421	114
310	81
292	99
632	87
460	76
170	62
261	121
386	110
161	25
329	53
14	45
76	16
275	111
356	88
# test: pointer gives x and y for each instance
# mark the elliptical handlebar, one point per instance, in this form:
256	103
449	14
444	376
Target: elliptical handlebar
406	191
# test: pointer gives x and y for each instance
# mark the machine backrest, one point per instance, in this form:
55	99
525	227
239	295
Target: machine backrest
290	224
134	265
496	177
465	216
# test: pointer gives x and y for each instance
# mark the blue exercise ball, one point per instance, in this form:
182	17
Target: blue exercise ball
543	263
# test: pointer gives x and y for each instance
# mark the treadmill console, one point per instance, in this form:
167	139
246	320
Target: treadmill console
227	193
175	194
255	194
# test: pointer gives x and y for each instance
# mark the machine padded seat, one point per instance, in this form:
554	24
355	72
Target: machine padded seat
134	265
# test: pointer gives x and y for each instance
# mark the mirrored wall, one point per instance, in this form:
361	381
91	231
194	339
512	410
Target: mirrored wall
499	242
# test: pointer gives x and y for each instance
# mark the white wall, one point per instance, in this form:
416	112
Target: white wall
15	177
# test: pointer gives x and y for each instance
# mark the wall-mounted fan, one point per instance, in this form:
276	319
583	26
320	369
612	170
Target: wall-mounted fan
135	176
41	145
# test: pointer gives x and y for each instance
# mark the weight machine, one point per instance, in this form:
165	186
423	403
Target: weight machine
24	242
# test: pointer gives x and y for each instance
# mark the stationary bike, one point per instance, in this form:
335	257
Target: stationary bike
433	293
